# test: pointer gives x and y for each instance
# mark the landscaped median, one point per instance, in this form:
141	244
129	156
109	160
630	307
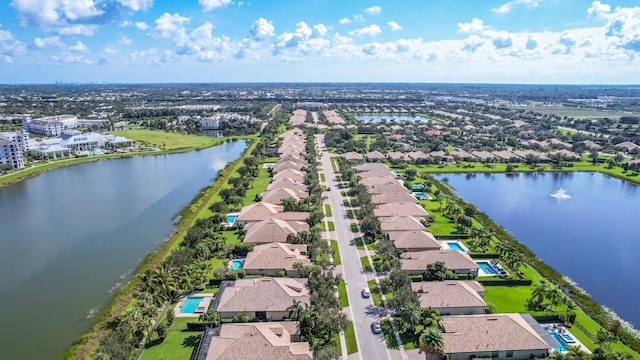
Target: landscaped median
336	253
342	294
115	307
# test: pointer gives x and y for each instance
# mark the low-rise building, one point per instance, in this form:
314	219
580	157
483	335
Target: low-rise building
457	261
451	297
399	209
266	259
272	230
414	240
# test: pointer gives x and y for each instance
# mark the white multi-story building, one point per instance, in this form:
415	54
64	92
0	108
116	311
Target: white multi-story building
210	123
74	140
13	146
49	126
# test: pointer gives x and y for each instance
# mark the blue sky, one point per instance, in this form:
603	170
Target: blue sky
517	41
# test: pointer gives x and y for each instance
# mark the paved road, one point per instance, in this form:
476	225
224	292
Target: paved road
370	346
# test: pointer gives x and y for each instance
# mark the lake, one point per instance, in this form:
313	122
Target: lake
72	236
390	117
591	237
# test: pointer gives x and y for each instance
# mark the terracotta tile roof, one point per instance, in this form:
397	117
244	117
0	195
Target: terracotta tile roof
414	239
386	198
400	223
272	230
494	332
263	294
453	260
448	294
275	256
400	208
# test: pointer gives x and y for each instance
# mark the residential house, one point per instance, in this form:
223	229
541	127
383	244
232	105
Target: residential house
262	298
398	196
451	297
291	174
398	156
414	240
377	172
542	158
399	208
462	155
374	156
483	156
418	157
266	259
627	147
592	145
273	230
457	261
353	156
506	156
495	336
286	165
558	144
371	167
258	341
261	211
400	223
379	178
287	183
387	188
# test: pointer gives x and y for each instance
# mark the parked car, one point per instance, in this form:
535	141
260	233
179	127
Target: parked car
376	328
328	188
365	292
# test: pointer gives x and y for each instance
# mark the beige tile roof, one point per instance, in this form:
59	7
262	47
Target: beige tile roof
259	211
352	155
482	155
263	294
417	155
396	155
281	166
376	173
275	256
378	178
414	239
370	167
447	294
387	188
523	154
294	159
461	154
374	155
401	208
400	223
259	341
386	198
276	196
494	332
291	133
453	260
505	155
287	183
292	174
272	231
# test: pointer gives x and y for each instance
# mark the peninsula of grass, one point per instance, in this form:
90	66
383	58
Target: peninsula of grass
327	210
350	336
336	253
376	295
84	345
342	294
331	226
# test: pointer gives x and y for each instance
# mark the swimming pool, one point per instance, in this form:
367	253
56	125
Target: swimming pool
563	345
231	219
421	195
417	187
192	305
456	246
487	268
237	264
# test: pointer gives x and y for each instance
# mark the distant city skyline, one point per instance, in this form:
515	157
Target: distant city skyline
157	41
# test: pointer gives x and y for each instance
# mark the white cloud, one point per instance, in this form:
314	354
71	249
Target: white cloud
202	45
358	18
472	43
532	42
261	29
502	39
319	30
168	25
48	41
9	48
295	46
505	8
371	30
136	5
344	21
598	10
141	25
124	40
567	39
79	29
476	25
374	10
394	26
208	5
624	26
79	47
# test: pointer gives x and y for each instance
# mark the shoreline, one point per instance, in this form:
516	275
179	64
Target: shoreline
82	347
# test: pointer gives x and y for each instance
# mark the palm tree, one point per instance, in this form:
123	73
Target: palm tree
604	338
411	315
431	341
295	310
576	353
540	292
556	296
431	317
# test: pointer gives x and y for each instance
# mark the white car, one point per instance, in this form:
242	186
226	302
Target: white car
376	328
365	292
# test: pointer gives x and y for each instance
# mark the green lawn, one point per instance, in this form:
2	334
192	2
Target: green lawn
441	225
350	336
376	295
336	252
331	226
258	187
179	344
508	299
327	210
409	341
360	245
342	294
366	265
169	141
321	177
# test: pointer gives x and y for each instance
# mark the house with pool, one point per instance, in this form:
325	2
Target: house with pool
257	341
266	259
451	297
290	174
400	223
399	209
262	211
261	298
495	336
396	196
276	196
414	240
273	231
457	261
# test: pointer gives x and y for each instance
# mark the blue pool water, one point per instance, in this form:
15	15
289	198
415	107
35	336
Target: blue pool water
268	166
455	246
190	305
563	345
420	195
231	219
486	267
237	264
416	187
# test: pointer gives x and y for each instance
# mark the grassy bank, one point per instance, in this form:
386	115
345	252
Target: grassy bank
88	342
172	146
